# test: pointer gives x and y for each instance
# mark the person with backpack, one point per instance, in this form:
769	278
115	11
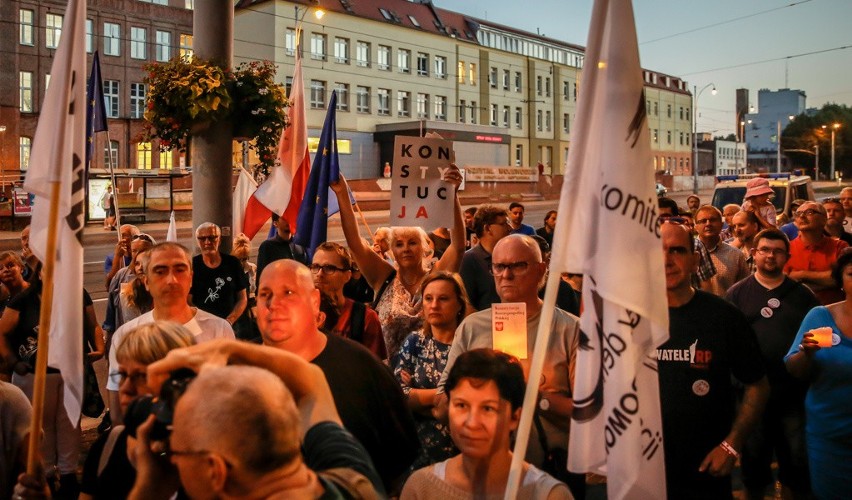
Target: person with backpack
331	270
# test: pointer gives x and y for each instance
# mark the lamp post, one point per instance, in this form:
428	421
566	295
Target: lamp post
318	13
745	148
3	158
816	161
834	128
697	94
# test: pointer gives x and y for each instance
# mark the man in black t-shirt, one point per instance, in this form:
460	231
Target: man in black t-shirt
775	305
219	284
279	247
370	401
709	342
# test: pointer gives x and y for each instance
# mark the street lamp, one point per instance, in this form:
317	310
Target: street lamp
834	128
697	94
318	13
745	148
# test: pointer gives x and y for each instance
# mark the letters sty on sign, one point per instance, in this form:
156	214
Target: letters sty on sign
509	328
418	195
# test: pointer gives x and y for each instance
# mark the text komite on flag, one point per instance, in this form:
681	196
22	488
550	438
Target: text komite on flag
607	231
58	153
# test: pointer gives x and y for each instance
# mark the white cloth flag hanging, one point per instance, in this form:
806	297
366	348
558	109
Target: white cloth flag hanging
58	155
608	231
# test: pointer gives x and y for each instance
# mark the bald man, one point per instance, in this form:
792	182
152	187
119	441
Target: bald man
846	201
368	398
709	342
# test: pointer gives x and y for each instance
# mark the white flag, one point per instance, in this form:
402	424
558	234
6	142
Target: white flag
608	231
246	185
58	155
171	233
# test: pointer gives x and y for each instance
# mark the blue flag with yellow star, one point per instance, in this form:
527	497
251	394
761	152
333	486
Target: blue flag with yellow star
95	109
312	223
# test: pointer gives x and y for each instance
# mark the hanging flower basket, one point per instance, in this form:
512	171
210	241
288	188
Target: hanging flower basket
186	96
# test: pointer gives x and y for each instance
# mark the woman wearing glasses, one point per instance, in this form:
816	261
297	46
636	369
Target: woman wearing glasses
398	301
108	472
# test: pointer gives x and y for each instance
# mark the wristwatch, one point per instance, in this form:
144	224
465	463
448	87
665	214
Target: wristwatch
543	403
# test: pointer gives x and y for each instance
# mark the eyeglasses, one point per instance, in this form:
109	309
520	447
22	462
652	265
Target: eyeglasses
708	221
807	213
518	268
327	269
207	238
136	379
143	237
776	252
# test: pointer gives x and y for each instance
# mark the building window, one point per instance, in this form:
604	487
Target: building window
575	92
566	90
506	114
441	107
290	41
423	106
317	94
492	77
538	85
111	154
403	103
341	50
656	108
668	110
547	86
384	57
90	36
25	85
112	39
25	17
362	54
668	136
687	139
164	42
137	42
471	77
566	123
547	121
288	85
506	79
362	99
519	118
404	60
111	98
656	136
384	102
460	70
539	120
681	112
493	115
189	4
681	138
143	156
342	96
318	46
26	145
474	112
687	115
440	67
52	30
46	82
137	100
185	50
422	64
519	154
518	81
462	110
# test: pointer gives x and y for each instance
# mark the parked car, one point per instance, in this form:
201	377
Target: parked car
787	187
661	190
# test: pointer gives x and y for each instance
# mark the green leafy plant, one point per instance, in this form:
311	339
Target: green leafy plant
260	110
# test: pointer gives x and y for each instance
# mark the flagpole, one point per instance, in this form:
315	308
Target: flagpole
531	396
33	455
363	219
114	186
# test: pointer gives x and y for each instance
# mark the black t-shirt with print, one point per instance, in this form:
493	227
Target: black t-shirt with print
216	290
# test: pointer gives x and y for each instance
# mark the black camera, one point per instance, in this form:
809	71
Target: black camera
162	407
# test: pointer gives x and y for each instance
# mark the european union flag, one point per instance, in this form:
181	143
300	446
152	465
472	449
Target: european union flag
312	223
96	109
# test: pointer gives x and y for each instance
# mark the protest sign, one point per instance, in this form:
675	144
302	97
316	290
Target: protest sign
509	328
418	195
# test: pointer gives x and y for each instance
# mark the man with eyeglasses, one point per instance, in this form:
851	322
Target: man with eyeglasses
218	281
729	262
118	310
332	269
279	247
168	279
121	257
518	269
775	306
813	254
668	211
490	225
368	398
709	342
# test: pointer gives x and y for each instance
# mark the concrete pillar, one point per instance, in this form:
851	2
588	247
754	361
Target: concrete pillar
213	40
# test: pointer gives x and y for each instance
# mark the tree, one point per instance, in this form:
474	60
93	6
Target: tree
806	131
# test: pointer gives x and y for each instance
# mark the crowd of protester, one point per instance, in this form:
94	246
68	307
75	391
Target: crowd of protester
368	370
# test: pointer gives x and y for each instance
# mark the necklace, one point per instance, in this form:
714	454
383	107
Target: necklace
407	283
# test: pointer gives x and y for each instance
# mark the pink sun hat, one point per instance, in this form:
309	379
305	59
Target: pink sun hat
757	187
